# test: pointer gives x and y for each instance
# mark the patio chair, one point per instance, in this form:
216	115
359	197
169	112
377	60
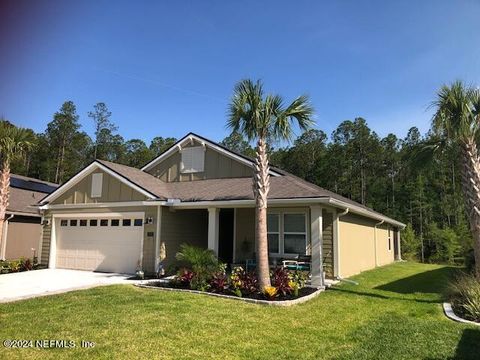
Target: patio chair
250	264
301	263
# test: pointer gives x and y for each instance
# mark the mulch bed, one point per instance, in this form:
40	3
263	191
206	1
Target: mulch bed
255	296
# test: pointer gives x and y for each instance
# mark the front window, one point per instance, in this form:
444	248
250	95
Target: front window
294	234
287	233
273	233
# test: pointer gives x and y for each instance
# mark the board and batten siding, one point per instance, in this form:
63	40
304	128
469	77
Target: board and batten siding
148	236
216	166
46	236
183	227
113	190
328	248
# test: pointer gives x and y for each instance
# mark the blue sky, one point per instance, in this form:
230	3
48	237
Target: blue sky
167	68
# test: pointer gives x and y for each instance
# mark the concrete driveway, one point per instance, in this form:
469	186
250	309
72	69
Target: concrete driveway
29	284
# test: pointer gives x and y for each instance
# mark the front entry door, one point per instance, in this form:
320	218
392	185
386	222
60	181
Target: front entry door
225	235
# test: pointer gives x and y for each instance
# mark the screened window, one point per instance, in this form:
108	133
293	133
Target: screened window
389	240
273	233
294	234
97	182
193	159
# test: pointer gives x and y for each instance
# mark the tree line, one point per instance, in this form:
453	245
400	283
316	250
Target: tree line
395	176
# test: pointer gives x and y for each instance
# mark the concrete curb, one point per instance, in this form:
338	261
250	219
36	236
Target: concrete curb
447	309
253	301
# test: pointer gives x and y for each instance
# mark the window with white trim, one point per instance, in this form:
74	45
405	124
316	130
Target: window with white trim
389	239
294	233
97	182
273	233
193	159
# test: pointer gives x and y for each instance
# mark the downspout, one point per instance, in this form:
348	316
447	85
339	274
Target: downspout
337	241
4	237
375	240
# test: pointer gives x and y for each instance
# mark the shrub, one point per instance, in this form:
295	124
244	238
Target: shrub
219	283
270	292
183	278
203	265
198	259
281	280
25	265
465	296
242	282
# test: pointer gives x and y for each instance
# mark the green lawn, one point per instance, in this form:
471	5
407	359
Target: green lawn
394	313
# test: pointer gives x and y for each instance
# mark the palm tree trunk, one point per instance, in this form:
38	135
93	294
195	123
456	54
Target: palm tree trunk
471	190
4	194
261	186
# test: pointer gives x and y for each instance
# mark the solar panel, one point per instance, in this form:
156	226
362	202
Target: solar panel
31	185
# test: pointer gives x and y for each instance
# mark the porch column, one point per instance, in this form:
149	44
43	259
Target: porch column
213	220
317	245
398	255
157	237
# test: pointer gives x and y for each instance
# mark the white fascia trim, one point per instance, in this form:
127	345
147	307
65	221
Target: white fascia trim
242	203
90	168
204	143
361	211
102	205
138	214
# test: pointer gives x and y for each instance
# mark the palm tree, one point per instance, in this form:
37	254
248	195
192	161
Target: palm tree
13	143
264	118
457	120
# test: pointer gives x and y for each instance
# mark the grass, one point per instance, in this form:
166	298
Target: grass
394	313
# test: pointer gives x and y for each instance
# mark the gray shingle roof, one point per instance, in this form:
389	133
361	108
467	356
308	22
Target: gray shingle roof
286	186
22	198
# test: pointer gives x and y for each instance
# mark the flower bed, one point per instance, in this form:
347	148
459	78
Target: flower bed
305	291
306	294
201	271
12	266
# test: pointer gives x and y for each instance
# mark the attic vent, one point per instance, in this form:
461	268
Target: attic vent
193	159
97	181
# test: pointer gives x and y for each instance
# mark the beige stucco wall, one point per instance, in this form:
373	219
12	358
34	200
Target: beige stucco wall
183	226
217	166
148	244
21	238
357	245
112	190
384	256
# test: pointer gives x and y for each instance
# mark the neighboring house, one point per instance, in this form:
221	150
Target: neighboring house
23	229
113	218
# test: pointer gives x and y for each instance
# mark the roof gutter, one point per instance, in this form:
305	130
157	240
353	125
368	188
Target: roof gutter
361	211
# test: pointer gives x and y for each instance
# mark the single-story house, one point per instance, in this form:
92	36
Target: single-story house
115	218
23	230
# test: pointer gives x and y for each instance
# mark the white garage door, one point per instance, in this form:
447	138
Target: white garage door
110	243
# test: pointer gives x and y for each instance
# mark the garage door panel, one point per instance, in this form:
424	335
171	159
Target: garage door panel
100	248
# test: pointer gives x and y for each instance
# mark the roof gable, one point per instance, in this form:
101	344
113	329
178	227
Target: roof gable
189	139
97	165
